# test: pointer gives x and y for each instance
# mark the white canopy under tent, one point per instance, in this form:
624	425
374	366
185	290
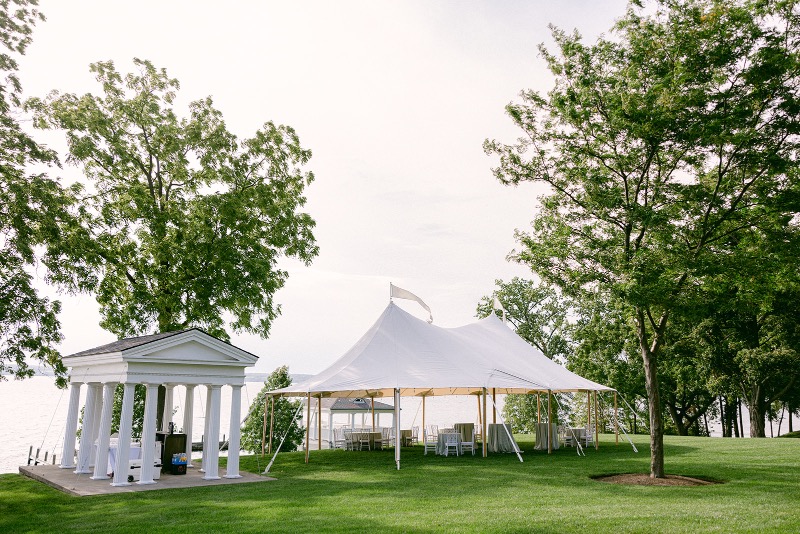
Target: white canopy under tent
403	356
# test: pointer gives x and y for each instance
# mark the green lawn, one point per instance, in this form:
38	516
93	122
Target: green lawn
363	492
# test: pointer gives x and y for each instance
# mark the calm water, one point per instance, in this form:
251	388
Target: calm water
34	412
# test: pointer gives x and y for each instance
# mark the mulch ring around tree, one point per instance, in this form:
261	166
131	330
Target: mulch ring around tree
643	479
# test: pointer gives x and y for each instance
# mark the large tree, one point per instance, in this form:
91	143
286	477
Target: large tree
187	221
660	145
32	208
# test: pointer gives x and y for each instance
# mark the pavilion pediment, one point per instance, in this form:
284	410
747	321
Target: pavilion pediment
192	347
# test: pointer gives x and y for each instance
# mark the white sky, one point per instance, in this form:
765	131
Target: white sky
393	98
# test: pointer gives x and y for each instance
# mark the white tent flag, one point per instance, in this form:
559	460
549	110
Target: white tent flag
400	293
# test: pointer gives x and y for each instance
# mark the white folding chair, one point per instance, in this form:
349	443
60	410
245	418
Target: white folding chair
414	435
349	439
363	440
339	441
452	440
429	441
469	445
588	437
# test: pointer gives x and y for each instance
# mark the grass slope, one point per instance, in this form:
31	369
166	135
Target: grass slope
362	491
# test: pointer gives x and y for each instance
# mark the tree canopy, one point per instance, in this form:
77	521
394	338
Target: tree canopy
661	147
185	222
33	209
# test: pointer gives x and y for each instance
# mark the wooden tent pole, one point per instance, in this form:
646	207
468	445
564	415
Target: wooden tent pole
549	418
271	420
319	422
263	430
424	428
588	410
480	418
308	423
494	407
538	408
373	412
616	420
596	424
485	435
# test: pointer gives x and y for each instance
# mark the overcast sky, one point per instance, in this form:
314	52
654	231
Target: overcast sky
394	99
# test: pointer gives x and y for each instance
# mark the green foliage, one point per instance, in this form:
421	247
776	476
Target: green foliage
523	411
33	211
537	312
185	222
751	344
662	147
139	397
285	409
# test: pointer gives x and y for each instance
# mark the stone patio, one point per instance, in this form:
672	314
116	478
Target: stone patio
81	485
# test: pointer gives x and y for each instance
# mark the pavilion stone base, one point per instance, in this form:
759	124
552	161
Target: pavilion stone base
83	485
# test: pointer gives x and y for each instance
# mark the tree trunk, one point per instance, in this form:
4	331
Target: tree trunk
654	407
757	416
730	417
683	429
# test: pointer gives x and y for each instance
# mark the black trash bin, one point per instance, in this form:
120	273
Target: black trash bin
178	466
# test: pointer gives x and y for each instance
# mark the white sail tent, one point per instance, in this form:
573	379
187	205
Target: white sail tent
401	355
402	352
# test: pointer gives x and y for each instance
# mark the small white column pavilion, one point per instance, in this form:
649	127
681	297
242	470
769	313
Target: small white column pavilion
186	358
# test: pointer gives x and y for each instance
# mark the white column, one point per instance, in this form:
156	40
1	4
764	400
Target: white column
235	433
188	419
104	432
206	420
168	403
68	451
124	441
87	430
98	411
212	459
149	434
